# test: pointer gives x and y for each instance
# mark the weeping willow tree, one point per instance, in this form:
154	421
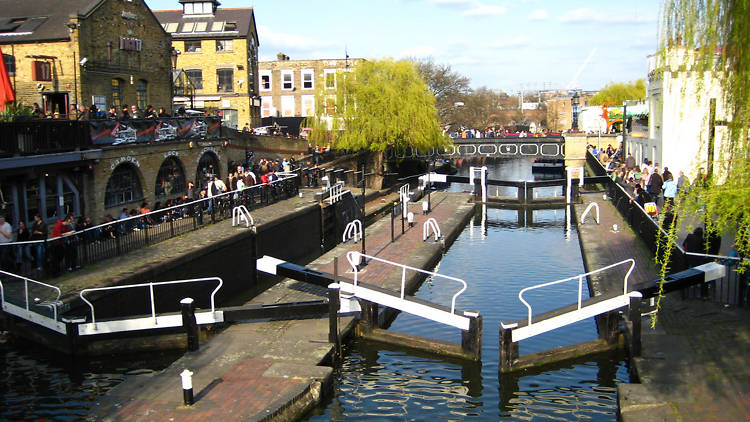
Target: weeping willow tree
379	105
711	39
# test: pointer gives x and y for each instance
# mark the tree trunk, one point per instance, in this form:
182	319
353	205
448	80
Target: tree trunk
374	168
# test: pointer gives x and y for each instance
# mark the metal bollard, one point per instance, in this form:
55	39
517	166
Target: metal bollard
187	387
188	322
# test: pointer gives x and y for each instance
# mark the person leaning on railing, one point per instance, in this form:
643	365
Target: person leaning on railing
39	232
6	236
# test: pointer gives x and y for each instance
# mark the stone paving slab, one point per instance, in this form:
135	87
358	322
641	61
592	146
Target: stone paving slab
271	370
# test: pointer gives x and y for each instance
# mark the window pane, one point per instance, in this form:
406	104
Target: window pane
201	26
217	26
171	179
223	45
123	186
196	77
188	26
225	80
192	46
142	94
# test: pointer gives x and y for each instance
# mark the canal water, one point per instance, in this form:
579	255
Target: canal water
497	260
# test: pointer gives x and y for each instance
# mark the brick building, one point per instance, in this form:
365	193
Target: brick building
217	50
287	87
61	53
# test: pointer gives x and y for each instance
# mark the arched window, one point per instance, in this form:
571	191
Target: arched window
117	93
171	179
123	186
208	166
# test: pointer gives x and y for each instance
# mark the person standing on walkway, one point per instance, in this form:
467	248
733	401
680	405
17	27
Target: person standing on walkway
39	232
670	190
682	182
6	236
654	186
630	162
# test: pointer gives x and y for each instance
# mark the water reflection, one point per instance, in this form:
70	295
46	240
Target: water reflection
499	253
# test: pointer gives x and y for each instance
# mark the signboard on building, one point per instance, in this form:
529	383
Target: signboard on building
117	132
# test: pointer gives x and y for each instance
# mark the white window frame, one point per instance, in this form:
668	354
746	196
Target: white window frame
284	74
326	72
265	72
287	103
266	104
311	74
305	99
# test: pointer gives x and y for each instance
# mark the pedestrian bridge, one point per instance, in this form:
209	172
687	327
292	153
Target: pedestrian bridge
548	147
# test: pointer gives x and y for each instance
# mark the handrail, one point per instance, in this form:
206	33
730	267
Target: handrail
336	192
354	258
151	293
430	223
26	281
580	283
352	229
240	213
585	213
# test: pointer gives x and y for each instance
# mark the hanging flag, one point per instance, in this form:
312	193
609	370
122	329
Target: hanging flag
6	89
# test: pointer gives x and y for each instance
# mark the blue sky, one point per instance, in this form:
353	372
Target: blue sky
505	45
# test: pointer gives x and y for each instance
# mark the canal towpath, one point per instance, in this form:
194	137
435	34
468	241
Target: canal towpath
274	370
693	365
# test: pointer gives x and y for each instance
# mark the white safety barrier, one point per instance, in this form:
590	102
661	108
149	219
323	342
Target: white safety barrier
352	230
240	214
569	174
482	178
25	311
460	320
585	213
403	194
336	192
154	321
431	223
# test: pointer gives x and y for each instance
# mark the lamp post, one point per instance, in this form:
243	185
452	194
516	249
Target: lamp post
432	158
174	55
363	261
575	102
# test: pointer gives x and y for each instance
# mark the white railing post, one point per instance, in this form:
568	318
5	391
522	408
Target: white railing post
585	213
353	229
431	223
240	213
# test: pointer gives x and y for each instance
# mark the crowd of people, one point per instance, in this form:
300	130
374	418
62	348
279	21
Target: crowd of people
92	112
61	253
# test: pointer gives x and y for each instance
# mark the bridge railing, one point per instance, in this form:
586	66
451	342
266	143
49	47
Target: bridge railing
118	237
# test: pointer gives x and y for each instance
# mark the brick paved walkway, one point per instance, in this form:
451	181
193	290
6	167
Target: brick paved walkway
256	371
694	362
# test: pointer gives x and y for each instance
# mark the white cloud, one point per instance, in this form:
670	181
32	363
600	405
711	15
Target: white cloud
589	15
539	15
513	42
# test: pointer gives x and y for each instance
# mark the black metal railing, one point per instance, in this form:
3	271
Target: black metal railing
116	238
43	136
731	289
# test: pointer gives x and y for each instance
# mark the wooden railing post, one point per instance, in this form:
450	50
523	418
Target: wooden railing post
368	316
508	350
471	339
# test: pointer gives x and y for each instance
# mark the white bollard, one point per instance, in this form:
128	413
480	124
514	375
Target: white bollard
410	219
425	207
187	387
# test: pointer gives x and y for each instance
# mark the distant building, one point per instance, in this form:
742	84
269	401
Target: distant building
559	113
287	87
217	50
61	53
679	105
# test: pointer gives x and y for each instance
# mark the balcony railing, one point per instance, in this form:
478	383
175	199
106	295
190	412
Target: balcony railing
38	136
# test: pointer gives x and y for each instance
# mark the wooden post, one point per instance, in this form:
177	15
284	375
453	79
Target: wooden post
508	350
635	320
187	306
471	339
334	303
368	316
609	326
522	193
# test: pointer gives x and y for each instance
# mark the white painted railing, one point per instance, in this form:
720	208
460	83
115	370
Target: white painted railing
352	230
580	284
240	214
482	177
25	311
430	224
355	258
154	322
591	205
403	194
336	192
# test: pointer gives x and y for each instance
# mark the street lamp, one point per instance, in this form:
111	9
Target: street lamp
174	55
575	101
432	158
